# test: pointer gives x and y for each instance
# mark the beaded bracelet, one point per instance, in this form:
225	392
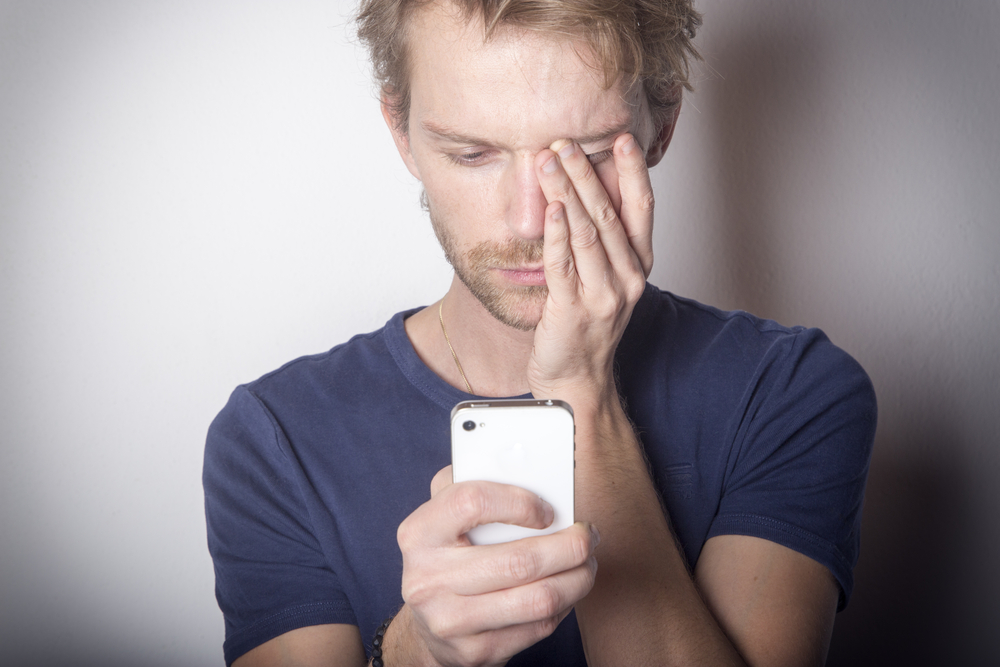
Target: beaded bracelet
377	643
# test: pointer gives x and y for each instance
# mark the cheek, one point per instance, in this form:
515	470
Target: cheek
465	199
607	174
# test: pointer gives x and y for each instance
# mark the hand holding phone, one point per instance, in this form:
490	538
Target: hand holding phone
523	442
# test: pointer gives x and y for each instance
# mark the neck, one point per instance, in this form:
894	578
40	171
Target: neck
494	356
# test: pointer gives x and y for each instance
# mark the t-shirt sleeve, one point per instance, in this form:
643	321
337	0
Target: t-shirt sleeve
799	463
271	574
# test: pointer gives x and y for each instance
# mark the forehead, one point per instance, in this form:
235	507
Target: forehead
520	87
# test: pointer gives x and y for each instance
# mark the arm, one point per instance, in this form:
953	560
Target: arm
465	605
645	607
775	604
480	605
335	645
751	602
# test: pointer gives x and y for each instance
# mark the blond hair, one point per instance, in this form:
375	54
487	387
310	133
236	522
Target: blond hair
647	41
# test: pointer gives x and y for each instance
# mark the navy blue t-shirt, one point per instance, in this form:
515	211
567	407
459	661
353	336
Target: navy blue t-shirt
751	428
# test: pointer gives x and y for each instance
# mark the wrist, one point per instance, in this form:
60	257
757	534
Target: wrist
599	414
592	399
401	645
377	642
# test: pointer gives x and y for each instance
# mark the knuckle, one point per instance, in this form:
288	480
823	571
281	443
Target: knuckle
468	503
545	601
439	626
585	237
564	266
547	626
634	287
563	191
646	202
474	653
608	306
582	171
406	535
446	625
420	587
415	590
604	215
522	566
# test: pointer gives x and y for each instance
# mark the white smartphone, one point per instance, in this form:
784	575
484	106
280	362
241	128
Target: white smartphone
525	442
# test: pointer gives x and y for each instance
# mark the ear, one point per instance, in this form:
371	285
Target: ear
400	135
662	141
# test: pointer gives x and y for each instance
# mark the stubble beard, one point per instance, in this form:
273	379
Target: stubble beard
516	306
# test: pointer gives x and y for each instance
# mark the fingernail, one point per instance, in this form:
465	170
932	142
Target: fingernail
567	150
629	146
560	144
596	533
549	166
549	513
558	214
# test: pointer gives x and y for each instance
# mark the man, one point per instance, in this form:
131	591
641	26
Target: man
721	459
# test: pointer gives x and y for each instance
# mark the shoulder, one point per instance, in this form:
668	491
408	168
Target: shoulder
744	388
304	390
369	351
694	340
338	374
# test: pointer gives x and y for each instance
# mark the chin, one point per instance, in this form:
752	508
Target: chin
524	319
519	308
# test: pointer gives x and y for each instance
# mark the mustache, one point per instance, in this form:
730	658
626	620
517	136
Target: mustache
512	253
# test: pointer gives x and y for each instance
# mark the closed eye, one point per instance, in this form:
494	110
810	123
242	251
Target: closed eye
597	158
474	159
468	159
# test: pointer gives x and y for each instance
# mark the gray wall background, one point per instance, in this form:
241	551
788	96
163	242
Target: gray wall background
192	193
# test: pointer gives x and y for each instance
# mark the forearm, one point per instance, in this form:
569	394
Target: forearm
644	607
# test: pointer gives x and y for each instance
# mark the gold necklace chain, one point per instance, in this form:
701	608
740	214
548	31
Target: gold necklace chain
454	356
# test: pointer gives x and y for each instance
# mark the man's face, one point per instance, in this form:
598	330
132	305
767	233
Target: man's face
479	114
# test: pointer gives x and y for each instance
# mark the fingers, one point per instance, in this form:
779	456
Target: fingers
585	241
598	237
532	608
544	599
522	603
557	254
526	634
522	562
637	199
478	604
458	508
489	646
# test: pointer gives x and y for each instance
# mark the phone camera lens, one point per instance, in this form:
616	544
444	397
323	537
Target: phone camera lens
469	425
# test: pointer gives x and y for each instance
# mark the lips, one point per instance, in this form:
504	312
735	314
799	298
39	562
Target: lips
528	276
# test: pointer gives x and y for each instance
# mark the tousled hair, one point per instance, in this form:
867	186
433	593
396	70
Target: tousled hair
647	41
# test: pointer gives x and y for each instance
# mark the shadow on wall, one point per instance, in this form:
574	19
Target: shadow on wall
765	120
762	127
904	601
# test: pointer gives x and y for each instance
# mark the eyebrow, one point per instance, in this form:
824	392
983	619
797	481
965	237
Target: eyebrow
459	138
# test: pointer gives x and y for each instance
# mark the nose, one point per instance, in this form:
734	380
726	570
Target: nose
525	211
